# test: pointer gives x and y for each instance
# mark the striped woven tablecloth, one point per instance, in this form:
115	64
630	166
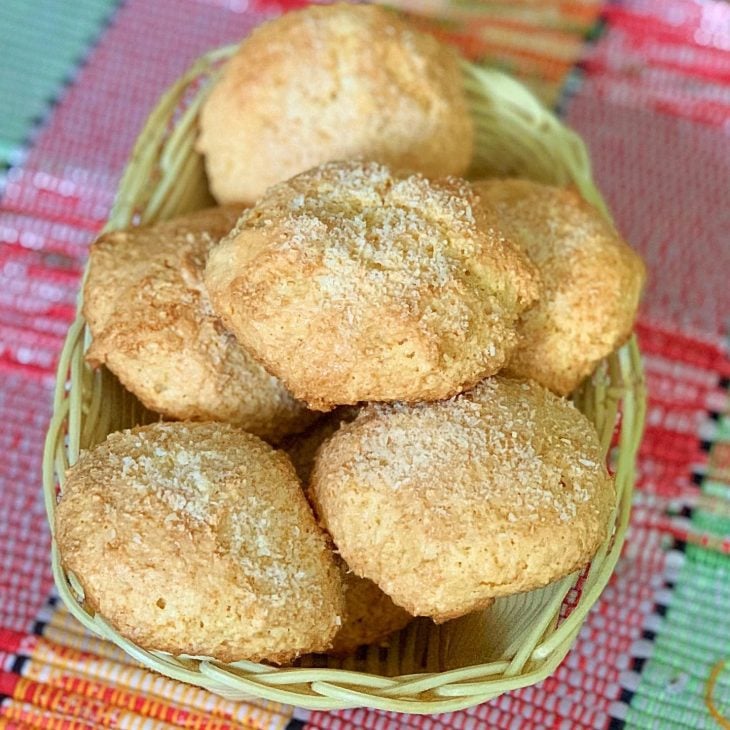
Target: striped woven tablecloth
647	85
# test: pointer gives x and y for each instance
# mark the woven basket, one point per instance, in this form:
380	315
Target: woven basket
425	668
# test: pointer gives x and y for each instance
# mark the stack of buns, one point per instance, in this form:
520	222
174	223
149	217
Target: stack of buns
361	360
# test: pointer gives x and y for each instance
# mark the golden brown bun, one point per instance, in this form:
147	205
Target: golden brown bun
448	505
370	615
302	447
153	327
197	539
352	284
331	83
592	281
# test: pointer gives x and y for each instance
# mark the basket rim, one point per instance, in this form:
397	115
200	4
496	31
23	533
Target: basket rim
333	688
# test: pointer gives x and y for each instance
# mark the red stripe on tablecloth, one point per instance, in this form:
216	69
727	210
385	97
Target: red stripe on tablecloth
693	24
684	348
52	239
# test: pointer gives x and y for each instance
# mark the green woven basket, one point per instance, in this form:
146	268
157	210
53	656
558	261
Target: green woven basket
426	668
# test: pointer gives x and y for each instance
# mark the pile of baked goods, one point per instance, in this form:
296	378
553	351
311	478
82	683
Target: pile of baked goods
360	360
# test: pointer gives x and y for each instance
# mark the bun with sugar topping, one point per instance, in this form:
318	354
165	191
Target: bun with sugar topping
370	615
351	283
197	539
448	505
302	447
592	281
333	83
153	327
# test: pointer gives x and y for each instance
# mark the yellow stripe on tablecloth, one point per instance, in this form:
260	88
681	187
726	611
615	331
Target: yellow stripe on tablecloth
65	656
13	714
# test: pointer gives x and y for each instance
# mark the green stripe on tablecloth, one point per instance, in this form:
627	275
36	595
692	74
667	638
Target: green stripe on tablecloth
695	634
693	638
50	37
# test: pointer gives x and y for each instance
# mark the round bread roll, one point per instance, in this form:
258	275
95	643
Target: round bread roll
153	327
592	281
352	284
331	83
302	447
448	505
197	539
370	616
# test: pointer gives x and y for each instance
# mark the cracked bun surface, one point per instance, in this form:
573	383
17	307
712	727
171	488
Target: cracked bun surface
591	281
197	539
448	505
351	283
331	83
153	327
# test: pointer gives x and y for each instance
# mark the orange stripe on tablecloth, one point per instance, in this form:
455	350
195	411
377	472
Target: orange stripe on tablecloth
57	701
47	685
569	14
523	27
543	49
75	638
145	691
61	617
68	703
512	38
29	644
124	707
15	714
7	724
549	45
66	664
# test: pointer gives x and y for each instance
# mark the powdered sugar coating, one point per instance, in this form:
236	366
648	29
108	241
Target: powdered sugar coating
389	287
329	83
154	328
498	490
592	281
196	538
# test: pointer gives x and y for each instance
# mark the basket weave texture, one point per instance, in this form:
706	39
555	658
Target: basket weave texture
425	668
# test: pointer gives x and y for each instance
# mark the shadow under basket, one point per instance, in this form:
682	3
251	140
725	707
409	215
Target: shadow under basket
425	668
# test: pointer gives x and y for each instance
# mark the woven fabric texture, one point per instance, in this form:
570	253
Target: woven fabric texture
647	85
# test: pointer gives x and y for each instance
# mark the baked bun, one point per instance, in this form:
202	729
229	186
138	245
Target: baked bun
153	327
353	284
448	505
369	615
330	83
197	539
302	448
592	281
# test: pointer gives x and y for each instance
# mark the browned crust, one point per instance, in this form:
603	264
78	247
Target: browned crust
592	281
197	539
354	284
153	327
448	505
331	83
